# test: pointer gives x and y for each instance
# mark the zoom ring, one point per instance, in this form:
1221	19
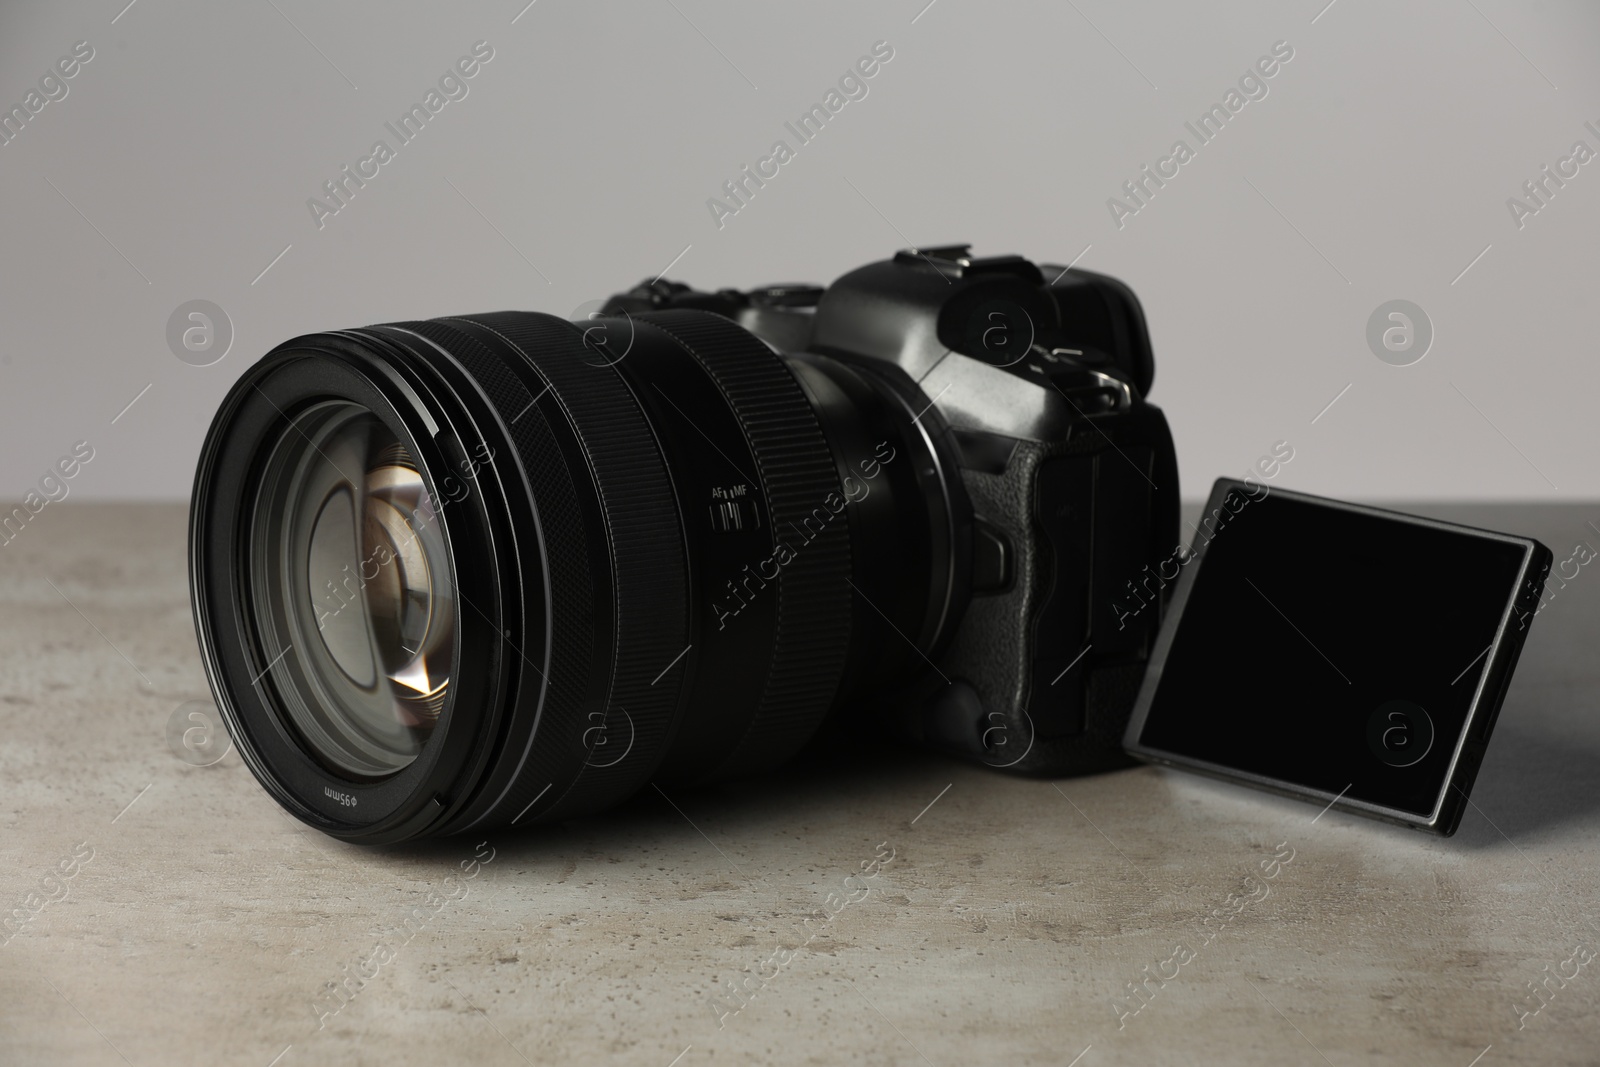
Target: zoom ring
797	473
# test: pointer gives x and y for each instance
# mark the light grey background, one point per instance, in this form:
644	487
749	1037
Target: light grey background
1377	168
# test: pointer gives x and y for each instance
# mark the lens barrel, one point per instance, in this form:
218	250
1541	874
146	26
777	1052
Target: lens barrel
506	568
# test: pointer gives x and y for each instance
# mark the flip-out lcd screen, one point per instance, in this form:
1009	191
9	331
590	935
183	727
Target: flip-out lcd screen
1331	650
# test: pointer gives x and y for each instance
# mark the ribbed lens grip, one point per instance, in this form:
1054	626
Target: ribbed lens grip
641	613
797	473
649	568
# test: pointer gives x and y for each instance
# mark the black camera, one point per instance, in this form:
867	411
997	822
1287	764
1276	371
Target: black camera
506	568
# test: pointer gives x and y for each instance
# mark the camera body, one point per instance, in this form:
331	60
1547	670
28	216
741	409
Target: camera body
507	568
1059	479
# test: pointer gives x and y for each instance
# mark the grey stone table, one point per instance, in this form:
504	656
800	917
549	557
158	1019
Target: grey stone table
902	909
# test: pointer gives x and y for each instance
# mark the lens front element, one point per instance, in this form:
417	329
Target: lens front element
354	600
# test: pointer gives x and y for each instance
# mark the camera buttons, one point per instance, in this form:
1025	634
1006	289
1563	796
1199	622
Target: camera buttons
1399	733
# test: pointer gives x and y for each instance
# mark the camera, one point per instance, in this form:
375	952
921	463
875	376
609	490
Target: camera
508	568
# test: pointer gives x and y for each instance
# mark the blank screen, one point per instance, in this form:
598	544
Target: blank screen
1313	633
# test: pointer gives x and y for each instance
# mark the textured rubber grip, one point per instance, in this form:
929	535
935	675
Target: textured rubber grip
797	472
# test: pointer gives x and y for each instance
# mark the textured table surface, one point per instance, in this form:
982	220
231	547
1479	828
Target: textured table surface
197	924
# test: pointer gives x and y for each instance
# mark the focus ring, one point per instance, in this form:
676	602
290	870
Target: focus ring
798	478
649	565
646	618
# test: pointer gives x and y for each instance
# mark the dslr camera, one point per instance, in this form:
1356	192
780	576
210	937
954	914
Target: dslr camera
507	568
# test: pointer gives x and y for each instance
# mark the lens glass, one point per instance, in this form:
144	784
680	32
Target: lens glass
354	598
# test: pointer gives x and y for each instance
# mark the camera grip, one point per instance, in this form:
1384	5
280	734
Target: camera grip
1044	673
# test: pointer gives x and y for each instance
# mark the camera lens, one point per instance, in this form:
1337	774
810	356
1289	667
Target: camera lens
505	568
347	566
